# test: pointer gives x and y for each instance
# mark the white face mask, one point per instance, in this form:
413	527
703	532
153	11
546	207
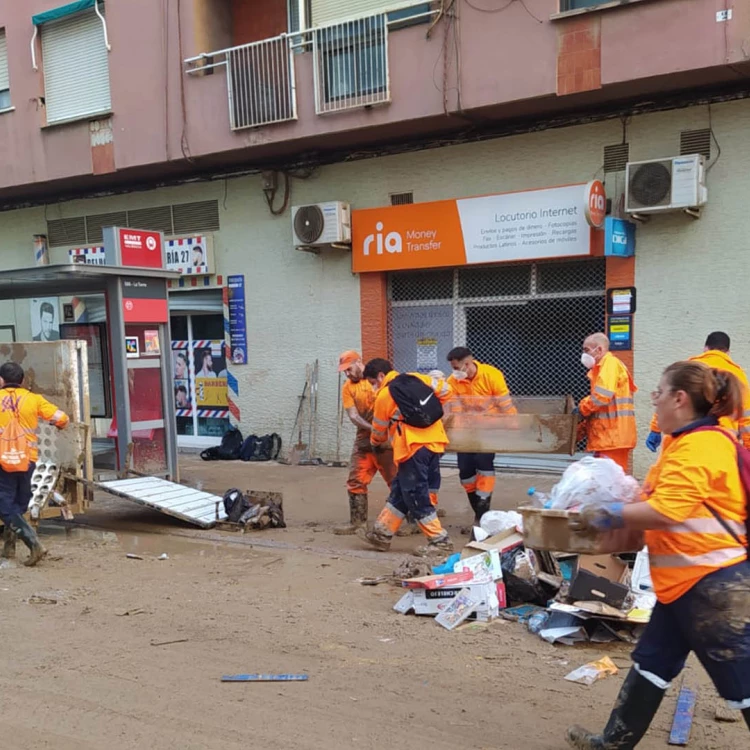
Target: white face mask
587	360
459	375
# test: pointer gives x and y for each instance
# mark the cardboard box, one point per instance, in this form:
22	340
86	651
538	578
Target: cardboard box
598	579
489	596
437	581
484	567
604	566
503	541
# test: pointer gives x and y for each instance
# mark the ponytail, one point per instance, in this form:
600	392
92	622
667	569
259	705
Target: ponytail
712	392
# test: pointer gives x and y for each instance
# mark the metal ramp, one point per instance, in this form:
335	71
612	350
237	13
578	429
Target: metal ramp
186	503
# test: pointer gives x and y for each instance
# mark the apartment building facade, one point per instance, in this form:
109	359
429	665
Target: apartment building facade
216	121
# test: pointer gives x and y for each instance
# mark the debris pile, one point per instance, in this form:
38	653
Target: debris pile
254	510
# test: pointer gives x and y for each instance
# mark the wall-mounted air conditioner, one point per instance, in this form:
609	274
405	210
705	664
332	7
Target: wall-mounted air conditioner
661	185
322	224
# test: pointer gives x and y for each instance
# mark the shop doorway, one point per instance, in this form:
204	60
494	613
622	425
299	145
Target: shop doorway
528	319
199	370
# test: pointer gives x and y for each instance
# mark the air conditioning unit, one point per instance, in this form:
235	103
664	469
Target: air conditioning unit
660	185
322	224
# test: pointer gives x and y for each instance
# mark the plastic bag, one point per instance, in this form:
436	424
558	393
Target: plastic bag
589	673
593	480
495	521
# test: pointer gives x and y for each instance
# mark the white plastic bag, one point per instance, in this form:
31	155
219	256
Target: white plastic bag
593	480
495	521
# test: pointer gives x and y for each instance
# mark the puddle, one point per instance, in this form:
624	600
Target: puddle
148	545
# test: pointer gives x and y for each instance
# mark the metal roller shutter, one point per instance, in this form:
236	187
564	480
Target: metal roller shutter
329	11
203	301
76	68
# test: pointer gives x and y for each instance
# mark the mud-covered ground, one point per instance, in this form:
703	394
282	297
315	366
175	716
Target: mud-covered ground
88	662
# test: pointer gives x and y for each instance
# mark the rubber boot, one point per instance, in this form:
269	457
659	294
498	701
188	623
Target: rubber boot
357	515
378	536
440	545
27	535
9	543
746	714
636	705
480	505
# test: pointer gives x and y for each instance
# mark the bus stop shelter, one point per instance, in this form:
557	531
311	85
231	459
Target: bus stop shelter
137	349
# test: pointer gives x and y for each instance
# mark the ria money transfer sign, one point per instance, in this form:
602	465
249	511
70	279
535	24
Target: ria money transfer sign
547	223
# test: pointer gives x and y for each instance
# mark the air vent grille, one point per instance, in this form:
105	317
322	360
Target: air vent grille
695	142
616	157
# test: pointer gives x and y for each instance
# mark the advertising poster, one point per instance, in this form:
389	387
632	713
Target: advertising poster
45	319
210	367
237	319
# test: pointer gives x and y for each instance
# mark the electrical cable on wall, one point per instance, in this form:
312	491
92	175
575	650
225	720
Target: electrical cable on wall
270	195
715	140
184	145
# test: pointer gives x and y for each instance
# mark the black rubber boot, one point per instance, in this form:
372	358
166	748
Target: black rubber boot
634	710
357	515
746	714
9	543
20	526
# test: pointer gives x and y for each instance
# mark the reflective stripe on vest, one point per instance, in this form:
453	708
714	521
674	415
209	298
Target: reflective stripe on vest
707	526
716	558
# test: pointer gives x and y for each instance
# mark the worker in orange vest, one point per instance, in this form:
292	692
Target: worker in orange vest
470	378
609	411
358	399
694	514
408	415
716	355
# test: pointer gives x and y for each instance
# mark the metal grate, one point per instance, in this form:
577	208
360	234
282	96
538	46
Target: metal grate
350	64
201	216
696	142
96	222
528	319
183	218
260	80
401	199
616	157
157	219
66	231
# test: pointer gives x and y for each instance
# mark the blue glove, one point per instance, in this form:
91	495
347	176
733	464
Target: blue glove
653	441
602	517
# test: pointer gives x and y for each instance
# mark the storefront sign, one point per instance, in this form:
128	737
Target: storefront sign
596	204
144	301
237	318
133	247
619	237
548	223
620	332
92	256
191	256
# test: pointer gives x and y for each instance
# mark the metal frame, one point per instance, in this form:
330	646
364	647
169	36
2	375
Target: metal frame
73	279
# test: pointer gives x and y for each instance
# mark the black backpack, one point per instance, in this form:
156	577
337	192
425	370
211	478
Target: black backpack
419	405
228	450
266	448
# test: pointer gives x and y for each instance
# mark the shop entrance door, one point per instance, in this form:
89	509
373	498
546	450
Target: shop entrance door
528	319
200	378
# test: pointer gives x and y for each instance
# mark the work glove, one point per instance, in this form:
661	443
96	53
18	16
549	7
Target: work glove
653	441
598	517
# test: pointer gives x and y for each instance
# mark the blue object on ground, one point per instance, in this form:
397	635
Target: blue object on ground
448	565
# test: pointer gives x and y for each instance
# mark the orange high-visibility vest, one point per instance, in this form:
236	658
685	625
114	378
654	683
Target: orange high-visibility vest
405	439
693	470
719	360
610	408
488	381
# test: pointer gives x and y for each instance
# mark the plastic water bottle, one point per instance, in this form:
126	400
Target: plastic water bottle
538	499
537	621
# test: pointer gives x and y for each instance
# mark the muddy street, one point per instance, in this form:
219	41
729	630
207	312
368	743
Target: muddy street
105	650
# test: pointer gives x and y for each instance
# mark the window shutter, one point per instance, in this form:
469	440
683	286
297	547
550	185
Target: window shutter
329	11
4	79
76	68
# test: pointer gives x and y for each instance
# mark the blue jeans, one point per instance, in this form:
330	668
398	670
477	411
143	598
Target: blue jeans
410	490
15	492
713	620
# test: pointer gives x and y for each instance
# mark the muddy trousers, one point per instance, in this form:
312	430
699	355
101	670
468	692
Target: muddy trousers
410	494
15	492
364	464
712	620
476	471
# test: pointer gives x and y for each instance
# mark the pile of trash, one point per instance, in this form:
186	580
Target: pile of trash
563	597
254	511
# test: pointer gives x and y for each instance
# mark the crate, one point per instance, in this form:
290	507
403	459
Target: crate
550	530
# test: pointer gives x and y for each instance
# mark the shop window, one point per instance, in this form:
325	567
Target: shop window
423	285
507	281
4	77
578	4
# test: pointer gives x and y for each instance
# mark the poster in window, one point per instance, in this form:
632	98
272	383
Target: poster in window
209	361
45	319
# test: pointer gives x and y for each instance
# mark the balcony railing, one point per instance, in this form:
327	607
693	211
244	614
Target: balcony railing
260	81
350	64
